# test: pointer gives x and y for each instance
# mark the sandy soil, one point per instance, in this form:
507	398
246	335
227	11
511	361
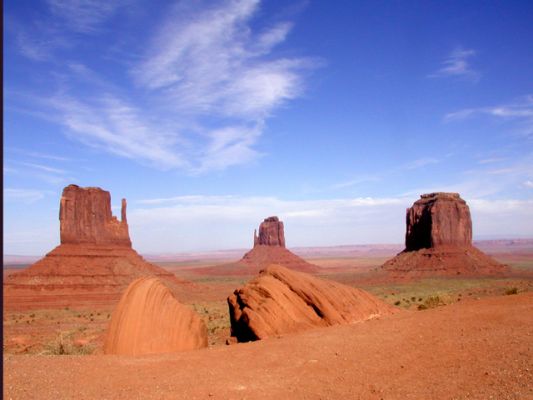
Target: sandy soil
475	349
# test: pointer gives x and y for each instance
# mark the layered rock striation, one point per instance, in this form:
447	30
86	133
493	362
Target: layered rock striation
94	263
150	320
438	241
282	301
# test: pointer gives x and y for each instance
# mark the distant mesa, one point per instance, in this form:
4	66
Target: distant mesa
282	301
438	241
95	261
150	320
269	248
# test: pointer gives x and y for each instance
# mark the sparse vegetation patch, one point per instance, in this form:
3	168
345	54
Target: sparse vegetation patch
431	302
510	291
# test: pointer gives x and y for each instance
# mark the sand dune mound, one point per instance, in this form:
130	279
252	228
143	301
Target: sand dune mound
282	301
438	241
269	248
150	320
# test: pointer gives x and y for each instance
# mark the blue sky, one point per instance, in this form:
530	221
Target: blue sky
209	116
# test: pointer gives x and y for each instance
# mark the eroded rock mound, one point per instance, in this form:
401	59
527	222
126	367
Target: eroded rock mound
438	241
281	301
150	320
94	262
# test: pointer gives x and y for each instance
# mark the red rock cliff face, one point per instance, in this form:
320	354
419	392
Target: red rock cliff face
271	233
436	220
85	218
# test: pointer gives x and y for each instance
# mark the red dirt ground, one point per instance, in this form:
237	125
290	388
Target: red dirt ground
476	349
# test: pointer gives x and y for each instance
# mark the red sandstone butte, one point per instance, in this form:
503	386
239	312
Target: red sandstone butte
94	262
438	241
271	233
150	320
438	219
269	248
85	217
282	301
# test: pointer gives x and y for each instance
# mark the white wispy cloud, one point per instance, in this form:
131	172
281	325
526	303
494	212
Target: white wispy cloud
491	160
206	83
26	196
40	155
210	63
520	111
39	39
528	184
491	217
44	168
255	207
32	47
457	64
190	199
234	201
356	181
115	126
228	146
84	16
39	171
421	162
485	181
386	174
36	40
501	206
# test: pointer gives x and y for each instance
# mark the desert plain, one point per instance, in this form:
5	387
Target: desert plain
455	338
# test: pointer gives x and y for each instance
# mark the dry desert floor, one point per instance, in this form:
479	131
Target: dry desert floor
475	349
464	338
